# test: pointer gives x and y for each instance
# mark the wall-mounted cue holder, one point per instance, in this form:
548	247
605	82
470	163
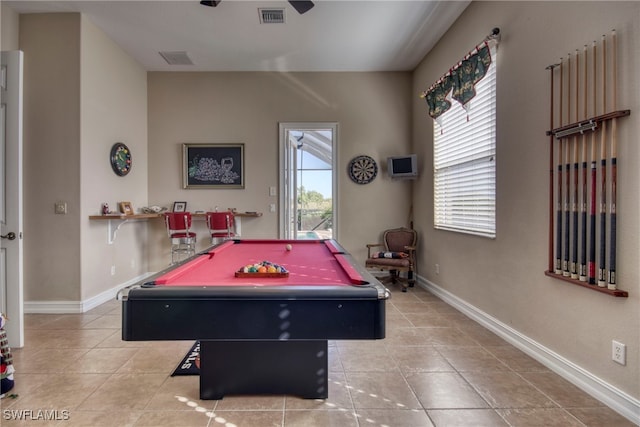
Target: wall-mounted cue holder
588	125
583	188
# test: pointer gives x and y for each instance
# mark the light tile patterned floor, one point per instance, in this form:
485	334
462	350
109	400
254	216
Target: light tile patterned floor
435	368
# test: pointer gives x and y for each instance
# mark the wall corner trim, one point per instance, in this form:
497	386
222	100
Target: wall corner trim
75	307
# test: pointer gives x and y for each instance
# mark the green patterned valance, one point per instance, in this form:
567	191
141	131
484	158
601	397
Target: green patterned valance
460	81
436	97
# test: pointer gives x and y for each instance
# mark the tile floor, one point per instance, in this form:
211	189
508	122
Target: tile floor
435	368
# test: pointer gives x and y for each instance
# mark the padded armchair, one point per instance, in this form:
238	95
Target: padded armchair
396	253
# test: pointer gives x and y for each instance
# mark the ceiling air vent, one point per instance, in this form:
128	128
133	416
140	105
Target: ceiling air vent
271	16
176	58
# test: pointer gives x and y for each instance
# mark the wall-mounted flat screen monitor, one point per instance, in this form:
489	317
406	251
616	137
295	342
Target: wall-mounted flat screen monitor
403	167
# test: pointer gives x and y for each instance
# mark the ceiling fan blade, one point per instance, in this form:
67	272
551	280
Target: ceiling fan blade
302	6
210	3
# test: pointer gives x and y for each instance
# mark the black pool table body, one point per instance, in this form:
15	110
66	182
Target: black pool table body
264	338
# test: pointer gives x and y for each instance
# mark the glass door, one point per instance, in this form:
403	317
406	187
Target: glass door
307	181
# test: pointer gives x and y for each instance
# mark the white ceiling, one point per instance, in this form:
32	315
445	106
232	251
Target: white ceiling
361	35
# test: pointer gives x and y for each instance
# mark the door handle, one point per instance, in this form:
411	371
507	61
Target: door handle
11	236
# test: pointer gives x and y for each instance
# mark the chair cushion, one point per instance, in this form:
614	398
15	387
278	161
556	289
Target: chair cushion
182	235
389	262
223	234
390	255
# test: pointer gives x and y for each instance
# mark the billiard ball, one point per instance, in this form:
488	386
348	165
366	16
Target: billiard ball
288	247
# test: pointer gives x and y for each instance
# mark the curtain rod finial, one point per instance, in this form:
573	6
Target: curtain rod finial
495	35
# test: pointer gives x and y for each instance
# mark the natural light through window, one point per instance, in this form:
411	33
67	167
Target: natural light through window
465	162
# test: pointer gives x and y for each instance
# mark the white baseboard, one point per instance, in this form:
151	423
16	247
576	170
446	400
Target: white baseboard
621	402
71	307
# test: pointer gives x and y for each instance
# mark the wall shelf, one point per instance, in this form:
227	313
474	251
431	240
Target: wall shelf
240	214
122	219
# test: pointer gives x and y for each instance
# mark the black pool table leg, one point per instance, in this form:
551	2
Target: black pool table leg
297	368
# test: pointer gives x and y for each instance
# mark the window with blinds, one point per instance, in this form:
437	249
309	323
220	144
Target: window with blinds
465	162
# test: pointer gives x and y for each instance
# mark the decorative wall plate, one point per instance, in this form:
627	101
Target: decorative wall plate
121	161
362	169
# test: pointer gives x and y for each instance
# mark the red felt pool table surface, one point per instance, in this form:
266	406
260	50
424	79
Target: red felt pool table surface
309	262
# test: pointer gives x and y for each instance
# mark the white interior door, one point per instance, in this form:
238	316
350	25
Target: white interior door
11	271
308	182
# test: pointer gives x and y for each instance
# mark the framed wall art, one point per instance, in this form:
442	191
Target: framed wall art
213	165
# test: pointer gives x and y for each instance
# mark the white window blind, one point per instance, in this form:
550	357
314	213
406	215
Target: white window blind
465	162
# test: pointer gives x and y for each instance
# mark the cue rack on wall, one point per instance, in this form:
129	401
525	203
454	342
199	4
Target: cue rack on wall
583	176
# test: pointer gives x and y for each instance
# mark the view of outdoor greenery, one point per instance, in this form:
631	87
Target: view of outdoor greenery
314	211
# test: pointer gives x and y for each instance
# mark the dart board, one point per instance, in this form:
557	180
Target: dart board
362	169
120	159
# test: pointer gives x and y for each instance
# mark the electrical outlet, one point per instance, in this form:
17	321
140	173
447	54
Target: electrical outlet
113	270
437	268
272	191
60	208
618	352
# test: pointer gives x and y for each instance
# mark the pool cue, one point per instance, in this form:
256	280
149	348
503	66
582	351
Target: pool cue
574	253
592	209
603	175
583	206
559	207
567	206
614	168
551	178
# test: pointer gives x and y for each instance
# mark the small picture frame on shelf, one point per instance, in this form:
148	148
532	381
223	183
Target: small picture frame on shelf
179	206
126	208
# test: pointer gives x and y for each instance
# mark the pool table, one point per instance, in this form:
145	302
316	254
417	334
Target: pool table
259	333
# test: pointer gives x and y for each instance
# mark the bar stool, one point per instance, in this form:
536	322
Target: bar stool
221	225
183	240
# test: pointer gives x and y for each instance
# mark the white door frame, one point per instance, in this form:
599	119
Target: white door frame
285	163
11	260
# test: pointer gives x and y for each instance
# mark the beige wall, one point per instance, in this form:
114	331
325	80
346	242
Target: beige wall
373	112
51	46
113	105
82	94
8	28
80	122
505	277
